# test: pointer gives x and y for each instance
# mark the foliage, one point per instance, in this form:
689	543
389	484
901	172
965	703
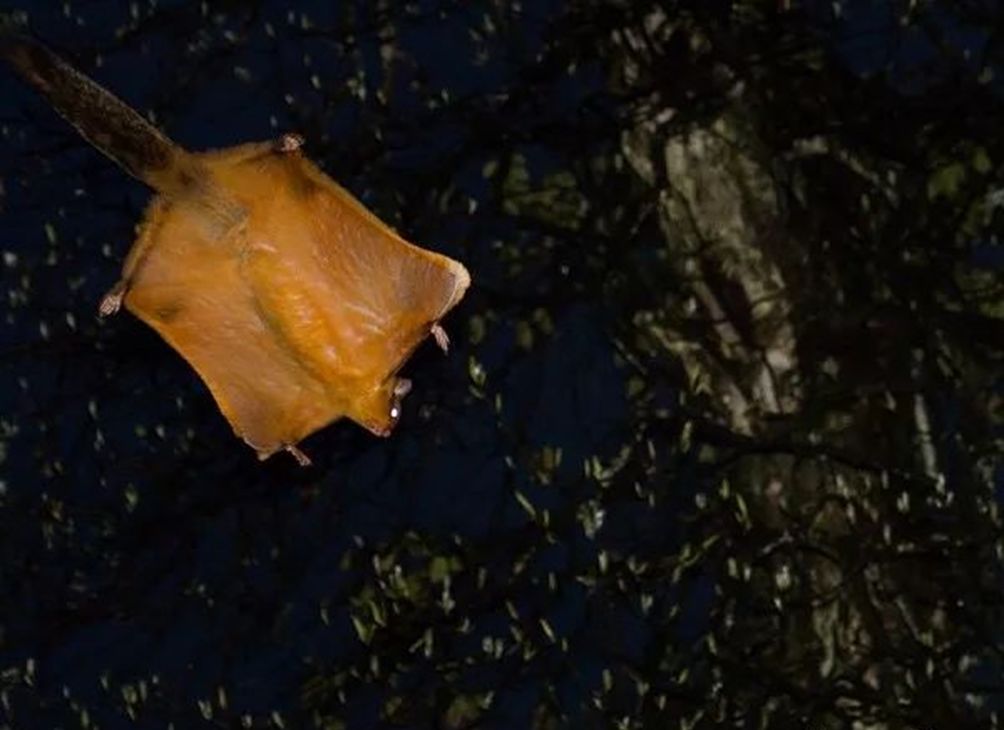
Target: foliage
718	443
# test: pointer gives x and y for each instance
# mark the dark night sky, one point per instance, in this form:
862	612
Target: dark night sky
140	538
185	558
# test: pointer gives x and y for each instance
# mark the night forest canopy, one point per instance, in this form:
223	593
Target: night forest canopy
719	439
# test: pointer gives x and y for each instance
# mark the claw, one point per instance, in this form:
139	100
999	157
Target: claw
112	301
301	458
442	339
289	142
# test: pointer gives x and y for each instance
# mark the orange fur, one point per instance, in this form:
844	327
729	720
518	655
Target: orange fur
294	303
300	313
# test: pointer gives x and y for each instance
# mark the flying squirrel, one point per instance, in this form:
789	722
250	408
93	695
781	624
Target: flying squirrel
294	303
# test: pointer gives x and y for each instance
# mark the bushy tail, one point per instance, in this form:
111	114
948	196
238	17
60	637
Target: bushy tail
103	119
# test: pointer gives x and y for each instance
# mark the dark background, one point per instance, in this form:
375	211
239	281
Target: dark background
571	526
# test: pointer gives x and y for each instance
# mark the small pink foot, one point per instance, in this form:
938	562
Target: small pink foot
289	142
301	458
440	336
112	301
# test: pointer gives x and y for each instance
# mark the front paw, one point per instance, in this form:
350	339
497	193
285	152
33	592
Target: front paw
440	336
112	301
289	142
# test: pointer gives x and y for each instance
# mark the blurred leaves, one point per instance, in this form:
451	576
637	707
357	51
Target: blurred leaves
721	445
